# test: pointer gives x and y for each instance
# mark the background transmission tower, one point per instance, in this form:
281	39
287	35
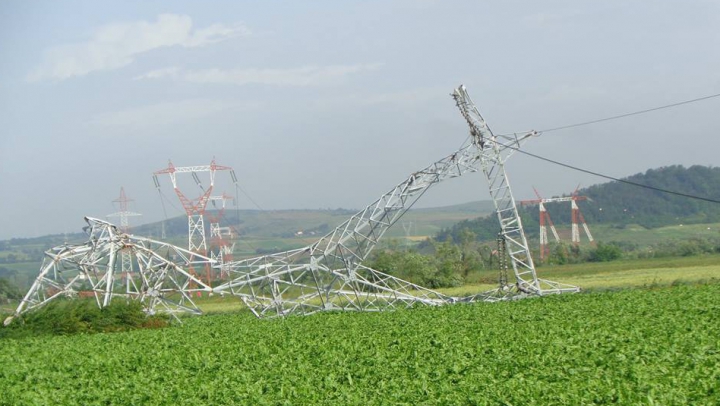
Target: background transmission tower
194	207
220	248
576	219
126	260
544	222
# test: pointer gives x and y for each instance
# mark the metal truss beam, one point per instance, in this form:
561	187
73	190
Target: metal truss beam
325	276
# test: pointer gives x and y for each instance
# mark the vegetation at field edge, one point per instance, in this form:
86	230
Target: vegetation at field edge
656	346
66	317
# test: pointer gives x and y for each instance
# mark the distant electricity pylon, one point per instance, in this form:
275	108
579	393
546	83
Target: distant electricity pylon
221	250
576	219
126	260
195	207
407	227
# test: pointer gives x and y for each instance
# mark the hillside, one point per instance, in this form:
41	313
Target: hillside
255	224
617	204
620	203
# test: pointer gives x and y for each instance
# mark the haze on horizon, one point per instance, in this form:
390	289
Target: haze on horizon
330	104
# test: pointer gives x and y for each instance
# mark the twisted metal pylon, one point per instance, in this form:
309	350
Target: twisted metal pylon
325	276
162	281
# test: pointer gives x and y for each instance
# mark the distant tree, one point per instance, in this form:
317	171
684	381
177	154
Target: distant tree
605	252
411	266
7	272
8	291
559	254
449	260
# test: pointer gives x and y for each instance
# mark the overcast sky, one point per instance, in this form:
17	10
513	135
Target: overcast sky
329	104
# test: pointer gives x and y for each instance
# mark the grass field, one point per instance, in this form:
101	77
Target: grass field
642	236
638	346
644	332
588	276
637	273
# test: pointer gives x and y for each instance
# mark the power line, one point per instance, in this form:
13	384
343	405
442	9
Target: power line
634	113
628	182
162	195
237	187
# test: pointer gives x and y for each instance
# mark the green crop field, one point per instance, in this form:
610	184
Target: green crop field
641	346
642	236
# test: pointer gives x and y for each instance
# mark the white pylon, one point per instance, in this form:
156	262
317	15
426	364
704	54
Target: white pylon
327	275
194	208
126	260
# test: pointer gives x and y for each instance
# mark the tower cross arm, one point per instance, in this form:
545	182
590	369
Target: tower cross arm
479	129
480	132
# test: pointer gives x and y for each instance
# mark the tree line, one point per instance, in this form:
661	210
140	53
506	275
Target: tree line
466	252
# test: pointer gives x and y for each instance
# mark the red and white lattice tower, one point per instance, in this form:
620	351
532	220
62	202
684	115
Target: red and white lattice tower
126	261
544	221
576	217
194	207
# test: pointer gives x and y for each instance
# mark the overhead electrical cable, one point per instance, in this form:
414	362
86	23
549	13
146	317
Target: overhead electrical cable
634	113
248	196
165	198
628	182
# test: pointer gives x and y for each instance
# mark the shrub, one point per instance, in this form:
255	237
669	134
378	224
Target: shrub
65	316
605	252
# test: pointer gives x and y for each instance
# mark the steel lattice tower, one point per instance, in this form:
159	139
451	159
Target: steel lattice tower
220	249
194	207
576	219
126	259
327	275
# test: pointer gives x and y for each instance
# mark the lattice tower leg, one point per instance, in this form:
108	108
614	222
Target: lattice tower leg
127	271
543	234
196	234
502	262
517	246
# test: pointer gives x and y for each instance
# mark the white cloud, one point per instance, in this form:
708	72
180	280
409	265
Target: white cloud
302	76
167	113
215	33
116	45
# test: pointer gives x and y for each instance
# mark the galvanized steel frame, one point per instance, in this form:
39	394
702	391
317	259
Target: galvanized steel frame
325	276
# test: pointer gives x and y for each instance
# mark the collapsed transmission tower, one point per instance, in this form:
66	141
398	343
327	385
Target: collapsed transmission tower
164	282
329	275
325	276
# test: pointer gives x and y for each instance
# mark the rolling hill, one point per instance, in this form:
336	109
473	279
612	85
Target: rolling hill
618	204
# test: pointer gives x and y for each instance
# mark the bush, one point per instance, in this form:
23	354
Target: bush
8	291
66	316
605	252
